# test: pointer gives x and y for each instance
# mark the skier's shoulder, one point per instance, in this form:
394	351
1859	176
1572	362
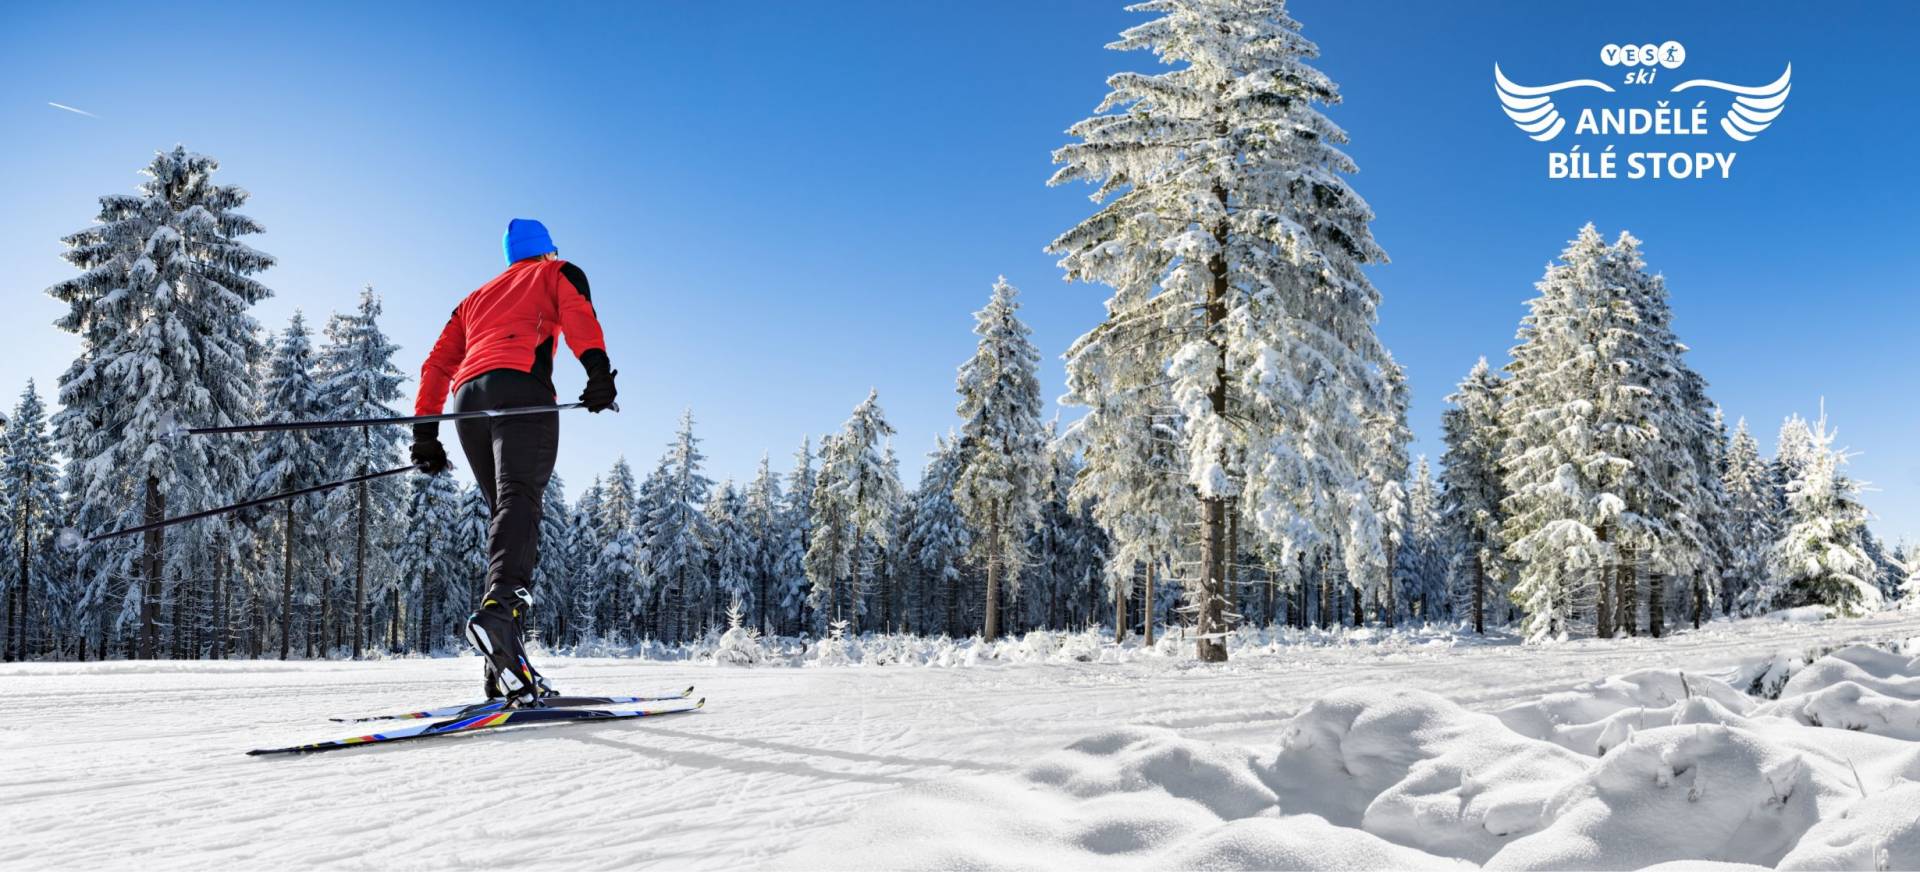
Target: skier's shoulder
574	276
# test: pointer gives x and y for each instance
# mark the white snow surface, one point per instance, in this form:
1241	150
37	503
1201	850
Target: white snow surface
1411	749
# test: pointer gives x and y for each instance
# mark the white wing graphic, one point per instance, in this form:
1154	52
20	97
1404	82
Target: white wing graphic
1753	108
1531	108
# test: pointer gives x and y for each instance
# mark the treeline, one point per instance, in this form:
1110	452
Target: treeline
1239	454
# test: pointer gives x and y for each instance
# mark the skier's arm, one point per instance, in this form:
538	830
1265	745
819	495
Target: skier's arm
582	327
436	375
577	318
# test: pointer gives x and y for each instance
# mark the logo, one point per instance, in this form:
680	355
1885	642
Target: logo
1750	110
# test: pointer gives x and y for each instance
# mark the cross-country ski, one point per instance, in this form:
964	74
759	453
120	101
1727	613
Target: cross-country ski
1083	435
488	720
494	705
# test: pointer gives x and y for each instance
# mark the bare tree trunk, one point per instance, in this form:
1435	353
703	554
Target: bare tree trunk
13	603
1210	615
1603	597
1479	594
180	593
24	525
1626	599
1299	616
992	622
1325	580
286	588
221	567
156	508
1389	611
1146	607
360	574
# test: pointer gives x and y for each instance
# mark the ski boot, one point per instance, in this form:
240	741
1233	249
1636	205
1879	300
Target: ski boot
495	632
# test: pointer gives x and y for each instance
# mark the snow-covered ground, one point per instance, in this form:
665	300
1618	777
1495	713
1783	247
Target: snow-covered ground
1416	750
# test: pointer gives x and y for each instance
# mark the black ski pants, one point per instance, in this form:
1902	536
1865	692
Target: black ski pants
512	460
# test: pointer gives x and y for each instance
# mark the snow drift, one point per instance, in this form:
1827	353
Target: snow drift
1653	767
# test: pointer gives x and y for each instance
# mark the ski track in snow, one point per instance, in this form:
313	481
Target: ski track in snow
120	764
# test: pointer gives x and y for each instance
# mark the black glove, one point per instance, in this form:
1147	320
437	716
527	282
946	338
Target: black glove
429	456
600	391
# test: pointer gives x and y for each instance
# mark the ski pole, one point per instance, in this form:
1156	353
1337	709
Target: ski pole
168	522
282	426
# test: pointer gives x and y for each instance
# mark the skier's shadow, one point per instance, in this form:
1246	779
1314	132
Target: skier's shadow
791	767
705	760
856	756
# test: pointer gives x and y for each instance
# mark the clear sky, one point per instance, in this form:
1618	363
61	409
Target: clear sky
782	205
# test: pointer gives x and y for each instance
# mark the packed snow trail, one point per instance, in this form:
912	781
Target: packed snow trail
121	764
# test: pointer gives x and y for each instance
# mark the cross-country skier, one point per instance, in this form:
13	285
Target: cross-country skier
496	352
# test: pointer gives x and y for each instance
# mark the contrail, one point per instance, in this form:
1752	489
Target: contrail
71	109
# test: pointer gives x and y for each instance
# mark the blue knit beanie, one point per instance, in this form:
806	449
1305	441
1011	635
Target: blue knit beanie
526	238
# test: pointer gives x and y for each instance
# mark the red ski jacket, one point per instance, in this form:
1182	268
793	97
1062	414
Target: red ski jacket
510	323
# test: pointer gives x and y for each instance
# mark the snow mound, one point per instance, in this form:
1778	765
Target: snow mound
1299	842
1880	831
1656	768
1419	770
1882	671
1570	718
1855	688
1132	798
1701	792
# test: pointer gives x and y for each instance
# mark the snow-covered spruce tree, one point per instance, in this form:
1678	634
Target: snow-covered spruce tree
1470	508
1234	248
1134	478
1068	549
631	599
554	573
677	533
729	557
426	559
912	594
30	512
1792	451
1386	470
1575	413
1818	559
939	539
796	538
1748	484
161	310
1889	570
469	544
853	503
1675	521
1910	584
584	546
358	380
291	459
1002	456
1422	565
881	584
762	525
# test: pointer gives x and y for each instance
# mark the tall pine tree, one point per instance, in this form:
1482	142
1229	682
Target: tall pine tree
1002	457
1234	247
161	310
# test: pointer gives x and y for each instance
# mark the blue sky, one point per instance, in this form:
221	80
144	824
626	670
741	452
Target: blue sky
782	205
